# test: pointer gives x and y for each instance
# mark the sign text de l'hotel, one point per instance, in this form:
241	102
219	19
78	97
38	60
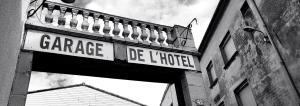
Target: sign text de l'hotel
159	58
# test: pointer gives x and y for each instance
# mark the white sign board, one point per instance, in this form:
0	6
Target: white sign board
159	58
67	45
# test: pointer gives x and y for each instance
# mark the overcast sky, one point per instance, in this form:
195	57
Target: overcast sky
167	12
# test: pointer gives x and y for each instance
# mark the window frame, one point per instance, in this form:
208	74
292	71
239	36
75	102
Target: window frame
212	81
237	91
245	9
221	103
224	42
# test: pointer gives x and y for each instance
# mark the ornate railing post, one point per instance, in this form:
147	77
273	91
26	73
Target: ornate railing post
85	24
126	31
106	28
152	36
116	30
49	17
61	18
134	34
161	38
74	21
144	35
96	25
170	40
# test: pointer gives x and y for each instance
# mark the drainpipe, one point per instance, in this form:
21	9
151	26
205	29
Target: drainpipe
275	46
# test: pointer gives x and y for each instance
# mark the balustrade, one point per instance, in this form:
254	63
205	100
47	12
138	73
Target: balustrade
96	26
143	37
144	34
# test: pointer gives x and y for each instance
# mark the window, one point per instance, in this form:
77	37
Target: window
245	9
228	50
247	13
244	95
211	74
221	104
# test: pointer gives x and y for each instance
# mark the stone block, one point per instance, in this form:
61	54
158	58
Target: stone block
17	100
196	94
120	51
180	31
194	79
21	83
184	42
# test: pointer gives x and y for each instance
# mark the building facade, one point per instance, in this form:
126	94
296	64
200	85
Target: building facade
249	53
77	95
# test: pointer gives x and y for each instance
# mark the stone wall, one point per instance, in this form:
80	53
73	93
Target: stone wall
10	37
282	17
257	60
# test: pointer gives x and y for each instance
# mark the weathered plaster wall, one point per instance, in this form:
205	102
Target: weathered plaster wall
261	65
283	19
11	31
212	53
257	60
193	86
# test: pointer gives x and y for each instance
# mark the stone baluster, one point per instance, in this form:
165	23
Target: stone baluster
85	24
49	16
144	35
161	38
134	34
61	18
126	31
170	40
74	21
116	30
152	36
96	25
106	28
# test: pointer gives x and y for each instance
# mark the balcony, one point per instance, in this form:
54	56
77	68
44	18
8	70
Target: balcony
79	22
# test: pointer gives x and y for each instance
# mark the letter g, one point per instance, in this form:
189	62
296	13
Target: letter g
44	44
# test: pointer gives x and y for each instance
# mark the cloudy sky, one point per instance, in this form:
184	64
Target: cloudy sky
166	12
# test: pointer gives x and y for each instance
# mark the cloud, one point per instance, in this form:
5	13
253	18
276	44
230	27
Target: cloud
166	12
42	80
58	80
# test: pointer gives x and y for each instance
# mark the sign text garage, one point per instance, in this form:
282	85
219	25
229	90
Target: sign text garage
55	43
159	58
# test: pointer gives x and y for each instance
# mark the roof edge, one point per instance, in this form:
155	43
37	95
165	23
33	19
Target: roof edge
217	16
57	88
165	92
121	97
89	86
